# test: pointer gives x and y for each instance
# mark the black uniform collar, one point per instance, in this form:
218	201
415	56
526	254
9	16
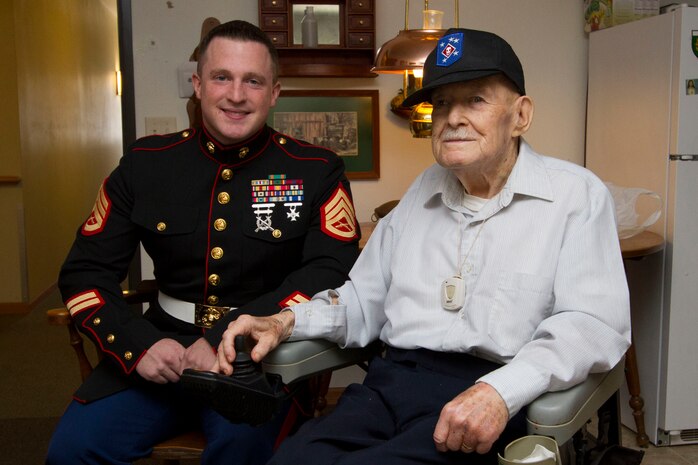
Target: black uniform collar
236	154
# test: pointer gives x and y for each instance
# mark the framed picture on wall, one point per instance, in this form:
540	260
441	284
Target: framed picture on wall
345	121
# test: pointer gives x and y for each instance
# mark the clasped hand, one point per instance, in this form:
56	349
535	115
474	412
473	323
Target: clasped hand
166	359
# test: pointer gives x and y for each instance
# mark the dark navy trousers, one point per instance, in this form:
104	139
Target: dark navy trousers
123	427
390	418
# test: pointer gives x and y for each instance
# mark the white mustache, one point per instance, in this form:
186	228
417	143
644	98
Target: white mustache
454	134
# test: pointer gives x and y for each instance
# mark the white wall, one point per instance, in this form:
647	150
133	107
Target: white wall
546	34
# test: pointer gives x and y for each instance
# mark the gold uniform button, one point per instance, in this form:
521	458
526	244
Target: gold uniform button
128	355
214	280
216	253
223	198
111	338
185	134
96	321
243	152
220	224
212	299
276	233
161	226
211	148
282	140
227	174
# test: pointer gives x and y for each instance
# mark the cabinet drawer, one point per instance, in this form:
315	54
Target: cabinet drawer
274	5
360	39
279	39
360	6
274	22
359	22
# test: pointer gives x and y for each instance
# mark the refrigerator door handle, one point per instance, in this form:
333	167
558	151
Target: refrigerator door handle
683	157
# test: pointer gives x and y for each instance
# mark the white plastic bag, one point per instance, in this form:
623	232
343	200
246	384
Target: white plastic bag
627	218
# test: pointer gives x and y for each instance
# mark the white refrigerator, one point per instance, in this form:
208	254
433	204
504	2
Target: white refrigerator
642	131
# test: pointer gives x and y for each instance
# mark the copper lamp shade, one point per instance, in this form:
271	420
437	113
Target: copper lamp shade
407	51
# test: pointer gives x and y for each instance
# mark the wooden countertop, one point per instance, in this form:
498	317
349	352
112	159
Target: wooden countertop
642	244
366	230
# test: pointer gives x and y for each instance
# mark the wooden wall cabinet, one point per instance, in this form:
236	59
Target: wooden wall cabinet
354	55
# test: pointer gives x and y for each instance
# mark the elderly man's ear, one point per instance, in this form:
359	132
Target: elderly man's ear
524	114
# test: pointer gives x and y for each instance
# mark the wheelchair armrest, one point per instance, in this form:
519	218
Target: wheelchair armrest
560	414
297	360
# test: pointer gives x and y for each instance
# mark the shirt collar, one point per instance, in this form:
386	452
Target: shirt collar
528	177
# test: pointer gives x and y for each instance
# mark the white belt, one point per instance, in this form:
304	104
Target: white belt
195	314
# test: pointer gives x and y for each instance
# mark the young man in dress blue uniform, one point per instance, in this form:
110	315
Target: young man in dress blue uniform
497	277
237	218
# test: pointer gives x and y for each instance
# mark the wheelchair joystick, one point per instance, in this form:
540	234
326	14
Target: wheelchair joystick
246	396
243	365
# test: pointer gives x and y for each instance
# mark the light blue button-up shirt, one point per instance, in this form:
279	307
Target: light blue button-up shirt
546	292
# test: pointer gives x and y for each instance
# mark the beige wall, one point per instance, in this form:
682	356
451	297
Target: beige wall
69	134
547	34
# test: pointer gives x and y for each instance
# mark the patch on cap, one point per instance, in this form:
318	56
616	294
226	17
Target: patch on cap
450	49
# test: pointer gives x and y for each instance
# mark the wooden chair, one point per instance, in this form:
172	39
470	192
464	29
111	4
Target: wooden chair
186	446
309	361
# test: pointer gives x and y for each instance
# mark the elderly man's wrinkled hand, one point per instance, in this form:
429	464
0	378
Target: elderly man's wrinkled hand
268	332
472	421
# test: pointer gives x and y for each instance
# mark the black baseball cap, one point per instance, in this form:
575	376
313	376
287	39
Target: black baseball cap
463	55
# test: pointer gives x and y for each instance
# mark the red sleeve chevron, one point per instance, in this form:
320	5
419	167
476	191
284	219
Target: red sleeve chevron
295	298
100	212
338	216
84	301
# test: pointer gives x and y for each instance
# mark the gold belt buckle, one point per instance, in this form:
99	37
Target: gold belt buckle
205	316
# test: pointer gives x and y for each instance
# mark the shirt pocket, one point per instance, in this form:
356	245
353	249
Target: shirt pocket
165	220
521	303
168	229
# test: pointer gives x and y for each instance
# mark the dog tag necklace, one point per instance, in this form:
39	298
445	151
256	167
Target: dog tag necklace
453	288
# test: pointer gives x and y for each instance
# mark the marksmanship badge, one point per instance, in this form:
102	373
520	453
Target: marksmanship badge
267	193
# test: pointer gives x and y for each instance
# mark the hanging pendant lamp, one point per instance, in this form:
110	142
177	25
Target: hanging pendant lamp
405	54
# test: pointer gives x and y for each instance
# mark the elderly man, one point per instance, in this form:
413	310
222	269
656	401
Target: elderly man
497	277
